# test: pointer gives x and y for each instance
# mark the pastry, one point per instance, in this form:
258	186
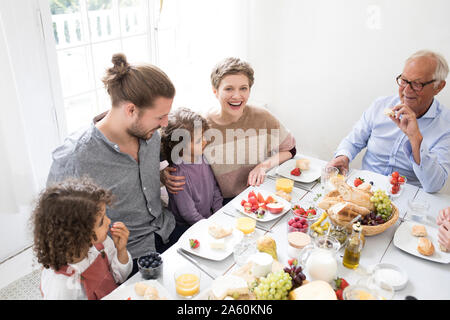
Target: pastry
425	246
228	285
284	195
419	230
389	112
302	164
218	231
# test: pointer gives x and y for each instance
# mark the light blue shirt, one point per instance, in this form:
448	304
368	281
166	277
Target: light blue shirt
389	149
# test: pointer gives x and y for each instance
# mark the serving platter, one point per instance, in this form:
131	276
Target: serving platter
268	216
404	240
306	176
127	292
200	232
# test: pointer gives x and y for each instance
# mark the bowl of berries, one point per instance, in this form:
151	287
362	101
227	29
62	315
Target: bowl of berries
395	185
303	215
150	266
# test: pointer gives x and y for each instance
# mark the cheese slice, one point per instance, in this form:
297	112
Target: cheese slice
218	244
228	285
262	264
314	290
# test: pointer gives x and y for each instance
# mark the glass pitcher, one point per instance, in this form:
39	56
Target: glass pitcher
319	258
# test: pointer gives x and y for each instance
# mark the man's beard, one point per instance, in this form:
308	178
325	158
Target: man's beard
137	132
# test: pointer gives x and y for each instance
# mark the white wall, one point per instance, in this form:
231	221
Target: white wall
320	64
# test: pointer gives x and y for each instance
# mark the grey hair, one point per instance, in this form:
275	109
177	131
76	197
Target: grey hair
441	72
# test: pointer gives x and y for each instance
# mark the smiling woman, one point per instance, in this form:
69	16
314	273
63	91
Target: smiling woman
262	142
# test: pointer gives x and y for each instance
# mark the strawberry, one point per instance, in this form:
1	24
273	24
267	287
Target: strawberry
341	283
394	181
339	294
296	172
251	194
311	212
293	262
358	181
395	174
243	202
401	179
395	189
194	243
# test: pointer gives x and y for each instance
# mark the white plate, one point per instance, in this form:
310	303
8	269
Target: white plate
404	240
124	292
236	202
307	176
199	231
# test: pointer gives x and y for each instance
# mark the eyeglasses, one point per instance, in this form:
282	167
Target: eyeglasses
416	86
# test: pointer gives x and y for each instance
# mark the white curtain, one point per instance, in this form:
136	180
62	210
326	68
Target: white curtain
28	132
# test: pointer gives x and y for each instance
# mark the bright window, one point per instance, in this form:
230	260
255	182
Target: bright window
87	33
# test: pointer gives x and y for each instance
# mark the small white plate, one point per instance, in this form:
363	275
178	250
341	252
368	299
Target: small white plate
307	176
236	202
404	240
200	232
377	273
127	292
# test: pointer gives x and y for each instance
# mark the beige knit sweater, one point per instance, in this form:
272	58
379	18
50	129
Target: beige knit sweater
235	149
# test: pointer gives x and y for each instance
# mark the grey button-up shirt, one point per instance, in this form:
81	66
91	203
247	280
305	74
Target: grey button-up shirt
136	186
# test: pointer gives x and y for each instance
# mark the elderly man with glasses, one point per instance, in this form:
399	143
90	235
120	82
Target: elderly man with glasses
408	132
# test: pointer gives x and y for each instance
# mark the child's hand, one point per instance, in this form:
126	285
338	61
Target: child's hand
119	234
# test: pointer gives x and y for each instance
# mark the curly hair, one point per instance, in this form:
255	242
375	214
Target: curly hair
182	118
63	220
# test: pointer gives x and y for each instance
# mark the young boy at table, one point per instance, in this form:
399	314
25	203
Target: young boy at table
201	196
70	227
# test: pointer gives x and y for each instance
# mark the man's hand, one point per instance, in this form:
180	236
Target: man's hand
340	162
406	120
172	183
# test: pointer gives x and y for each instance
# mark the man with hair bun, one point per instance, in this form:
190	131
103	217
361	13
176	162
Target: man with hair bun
120	151
409	132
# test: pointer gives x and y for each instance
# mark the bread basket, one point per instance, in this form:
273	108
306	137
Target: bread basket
371	230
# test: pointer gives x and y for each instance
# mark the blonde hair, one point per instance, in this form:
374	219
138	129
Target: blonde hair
441	71
138	84
231	66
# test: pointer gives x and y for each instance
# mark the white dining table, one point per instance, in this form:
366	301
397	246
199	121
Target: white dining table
426	279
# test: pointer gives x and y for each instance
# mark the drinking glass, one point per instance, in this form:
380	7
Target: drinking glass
187	281
326	175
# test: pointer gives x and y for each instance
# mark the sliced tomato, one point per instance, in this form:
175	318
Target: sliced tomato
251	194
260	198
269	199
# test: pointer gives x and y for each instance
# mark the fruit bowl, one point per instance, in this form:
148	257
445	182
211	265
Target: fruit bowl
395	184
371	230
150	266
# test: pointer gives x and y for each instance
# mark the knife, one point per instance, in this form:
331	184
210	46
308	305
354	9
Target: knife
257	226
183	253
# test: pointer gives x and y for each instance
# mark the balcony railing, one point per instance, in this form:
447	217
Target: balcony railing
68	29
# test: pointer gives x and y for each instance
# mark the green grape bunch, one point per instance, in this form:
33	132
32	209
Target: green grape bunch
382	204
275	286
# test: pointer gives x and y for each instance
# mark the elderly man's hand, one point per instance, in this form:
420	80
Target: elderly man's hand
406	120
172	183
340	162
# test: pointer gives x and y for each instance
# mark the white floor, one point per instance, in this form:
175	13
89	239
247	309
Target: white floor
17	267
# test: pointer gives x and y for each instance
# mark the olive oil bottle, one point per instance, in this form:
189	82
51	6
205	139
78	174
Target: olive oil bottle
353	250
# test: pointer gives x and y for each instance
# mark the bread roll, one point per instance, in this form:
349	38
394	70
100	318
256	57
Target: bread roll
302	164
419	230
425	247
218	231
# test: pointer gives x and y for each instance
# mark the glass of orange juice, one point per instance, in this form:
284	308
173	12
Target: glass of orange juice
187	281
246	225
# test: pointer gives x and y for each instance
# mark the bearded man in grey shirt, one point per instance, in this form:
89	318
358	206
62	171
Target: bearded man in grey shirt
120	151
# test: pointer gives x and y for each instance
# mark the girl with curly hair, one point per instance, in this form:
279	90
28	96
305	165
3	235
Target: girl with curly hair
200	196
71	241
